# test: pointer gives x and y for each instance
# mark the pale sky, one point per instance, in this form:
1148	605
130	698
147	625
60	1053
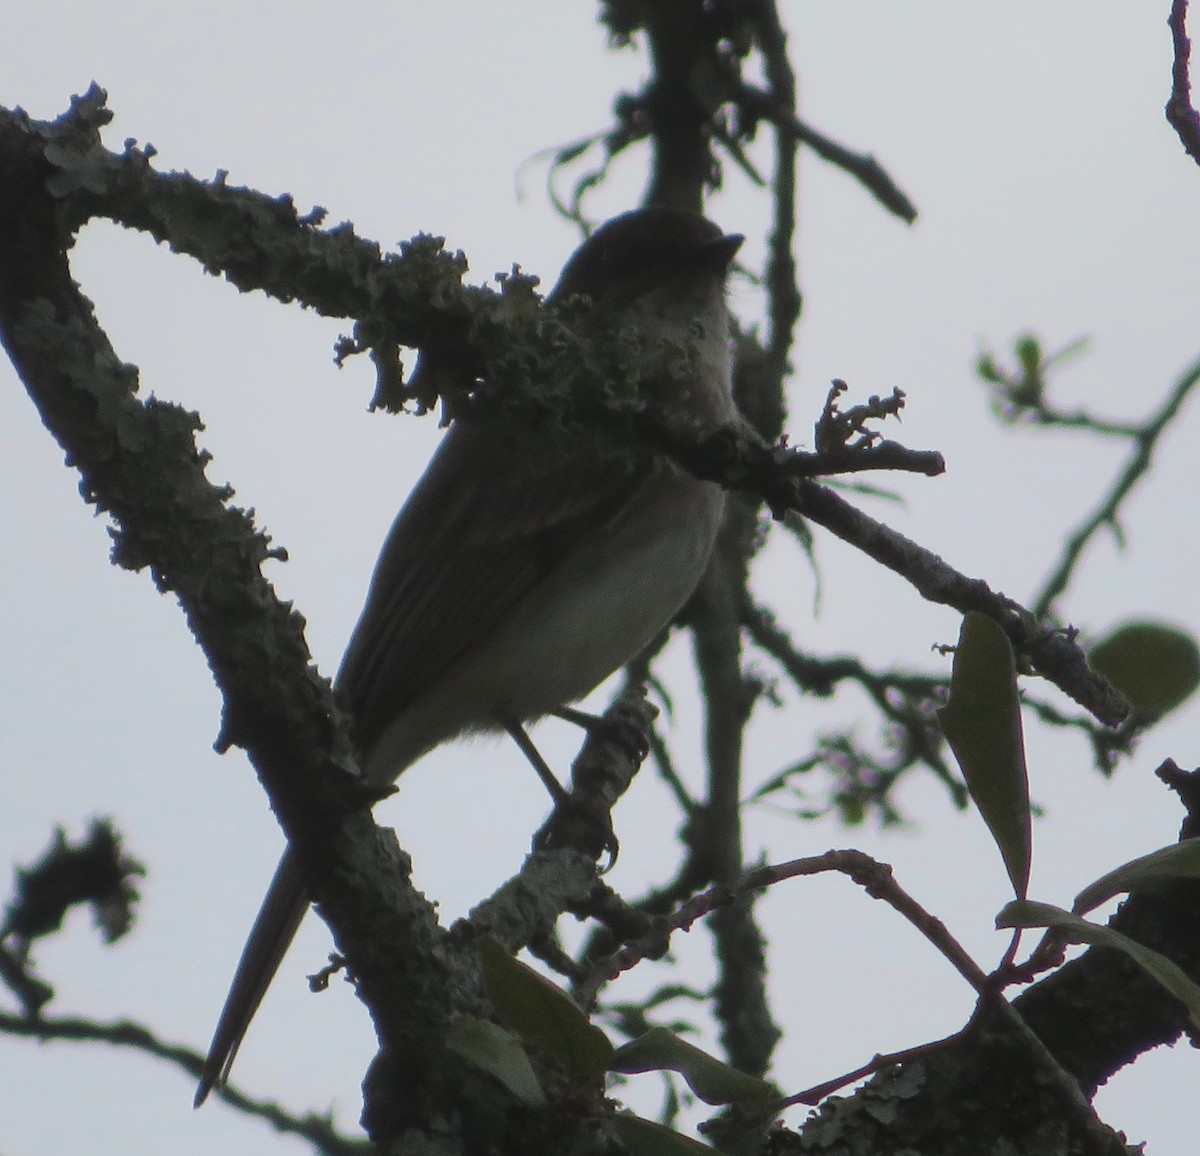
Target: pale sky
1052	195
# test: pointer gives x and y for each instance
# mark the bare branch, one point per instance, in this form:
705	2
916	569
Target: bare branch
1181	113
759	105
316	1130
1145	440
874	877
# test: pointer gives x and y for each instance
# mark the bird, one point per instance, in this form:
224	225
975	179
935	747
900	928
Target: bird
513	582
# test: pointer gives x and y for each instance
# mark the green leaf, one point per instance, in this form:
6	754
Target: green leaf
491	1049
542	1014
1178	861
982	722
713	1081
645	1138
1073	929
1028	350
1154	665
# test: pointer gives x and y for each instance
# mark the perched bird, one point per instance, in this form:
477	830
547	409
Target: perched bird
513	582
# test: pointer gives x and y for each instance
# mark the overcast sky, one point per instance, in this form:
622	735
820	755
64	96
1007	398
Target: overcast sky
1052	195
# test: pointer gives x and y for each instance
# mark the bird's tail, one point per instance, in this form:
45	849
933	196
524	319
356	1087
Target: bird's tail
274	929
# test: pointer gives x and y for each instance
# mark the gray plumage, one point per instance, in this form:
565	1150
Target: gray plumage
513	583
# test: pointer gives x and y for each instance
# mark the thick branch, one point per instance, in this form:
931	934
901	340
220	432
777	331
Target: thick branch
140	464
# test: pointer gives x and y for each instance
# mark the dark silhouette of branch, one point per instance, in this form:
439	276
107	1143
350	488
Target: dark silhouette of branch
874	877
141	464
1181	113
757	104
1053	654
316	1130
904	698
1145	439
780	275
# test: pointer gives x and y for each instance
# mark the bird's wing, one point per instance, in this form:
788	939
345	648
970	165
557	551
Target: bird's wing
481	528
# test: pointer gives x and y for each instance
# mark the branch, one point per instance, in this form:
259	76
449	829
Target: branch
981	1067
139	462
905	698
714	838
993	1087
533	367
863	167
1181	114
874	877
1049	1051
1052	654
780	277
1101	1011
1108	743
317	1130
560	875
544	354
1145	439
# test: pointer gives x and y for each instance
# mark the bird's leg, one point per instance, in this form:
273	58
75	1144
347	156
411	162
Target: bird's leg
519	736
580	718
582	817
568	811
627	734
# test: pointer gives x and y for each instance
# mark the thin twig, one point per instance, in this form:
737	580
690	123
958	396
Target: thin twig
317	1130
904	698
814	1095
1144	442
1053	654
762	105
1181	114
874	877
